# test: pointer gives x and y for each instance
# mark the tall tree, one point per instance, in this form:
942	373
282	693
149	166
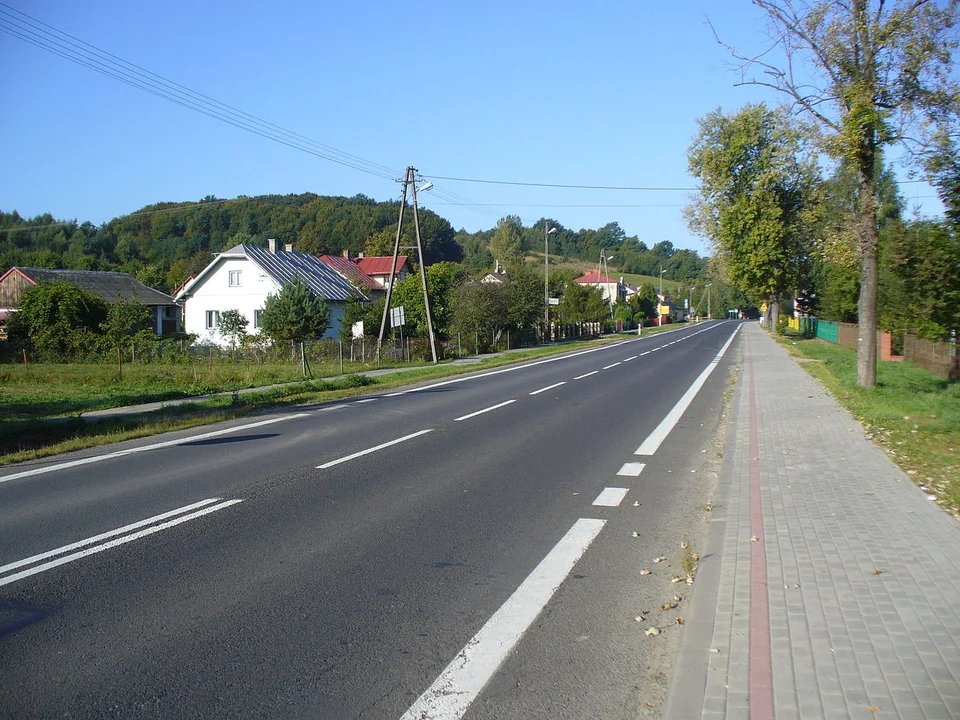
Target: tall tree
506	245
756	187
884	69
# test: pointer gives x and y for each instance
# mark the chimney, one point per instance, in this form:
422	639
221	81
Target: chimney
288	247
360	256
272	246
346	253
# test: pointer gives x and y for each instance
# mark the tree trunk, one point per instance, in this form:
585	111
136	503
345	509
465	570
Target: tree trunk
775	316
869	273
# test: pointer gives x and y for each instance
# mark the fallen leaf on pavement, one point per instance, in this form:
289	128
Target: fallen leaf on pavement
653	631
644	572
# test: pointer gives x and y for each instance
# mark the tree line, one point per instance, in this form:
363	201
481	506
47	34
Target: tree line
857	78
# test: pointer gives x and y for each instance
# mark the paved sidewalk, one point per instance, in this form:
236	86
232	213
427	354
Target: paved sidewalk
830	584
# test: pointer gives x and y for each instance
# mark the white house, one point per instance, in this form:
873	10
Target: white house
242	277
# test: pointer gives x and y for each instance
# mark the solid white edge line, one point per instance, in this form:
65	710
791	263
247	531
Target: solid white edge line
114	543
145	448
103	536
659	434
613	366
548	387
585	375
485	410
611	497
459	684
373	449
365	400
631	469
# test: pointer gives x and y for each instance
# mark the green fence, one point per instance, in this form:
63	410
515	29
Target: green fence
827	330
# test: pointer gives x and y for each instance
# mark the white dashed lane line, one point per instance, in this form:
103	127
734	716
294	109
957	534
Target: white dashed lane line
548	387
607	367
631	469
611	497
586	375
485	410
373	449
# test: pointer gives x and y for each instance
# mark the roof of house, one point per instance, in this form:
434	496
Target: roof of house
595	278
349	270
381	265
282	267
105	284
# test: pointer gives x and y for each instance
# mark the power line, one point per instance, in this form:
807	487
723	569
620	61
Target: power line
558	185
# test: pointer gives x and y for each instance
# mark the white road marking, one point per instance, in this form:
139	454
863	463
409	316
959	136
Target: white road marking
612	366
611	497
459	684
631	469
548	387
103	536
581	377
513	368
373	449
645	353
114	543
659	434
485	410
366	400
145	448
632	357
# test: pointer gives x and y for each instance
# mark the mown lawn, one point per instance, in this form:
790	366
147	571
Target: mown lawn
913	415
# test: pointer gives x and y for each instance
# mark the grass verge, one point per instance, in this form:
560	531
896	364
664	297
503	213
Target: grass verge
911	414
27	435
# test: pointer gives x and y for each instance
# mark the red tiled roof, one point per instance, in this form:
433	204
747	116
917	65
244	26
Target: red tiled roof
351	271
381	265
594	278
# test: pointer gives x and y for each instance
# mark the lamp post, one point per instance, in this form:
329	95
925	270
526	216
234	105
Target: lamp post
546	274
660	299
606	270
707	288
690	301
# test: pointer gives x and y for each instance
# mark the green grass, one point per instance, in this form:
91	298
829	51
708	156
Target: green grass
913	415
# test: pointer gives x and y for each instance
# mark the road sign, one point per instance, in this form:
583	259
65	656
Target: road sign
396	316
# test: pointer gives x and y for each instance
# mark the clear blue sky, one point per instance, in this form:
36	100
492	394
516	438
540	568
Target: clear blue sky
602	93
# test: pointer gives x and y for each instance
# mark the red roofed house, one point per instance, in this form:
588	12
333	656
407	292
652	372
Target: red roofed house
611	290
350	271
379	268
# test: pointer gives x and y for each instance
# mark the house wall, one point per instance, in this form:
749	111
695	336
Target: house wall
215	293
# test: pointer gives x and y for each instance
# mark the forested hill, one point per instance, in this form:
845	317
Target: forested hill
165	243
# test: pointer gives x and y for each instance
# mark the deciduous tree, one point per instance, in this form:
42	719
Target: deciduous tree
756	187
880	72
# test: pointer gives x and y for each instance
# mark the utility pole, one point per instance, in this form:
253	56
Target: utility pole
409	180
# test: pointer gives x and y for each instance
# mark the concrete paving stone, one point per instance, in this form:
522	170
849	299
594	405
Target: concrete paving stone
936	711
716	705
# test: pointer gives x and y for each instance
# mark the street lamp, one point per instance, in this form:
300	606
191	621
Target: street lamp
547	230
660	299
707	288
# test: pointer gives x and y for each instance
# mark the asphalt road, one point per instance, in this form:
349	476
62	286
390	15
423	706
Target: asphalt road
340	561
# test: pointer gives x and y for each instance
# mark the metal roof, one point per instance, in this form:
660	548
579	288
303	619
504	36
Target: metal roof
380	265
283	267
105	284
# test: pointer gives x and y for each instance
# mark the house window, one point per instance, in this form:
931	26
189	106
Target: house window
213	319
256	319
235	278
